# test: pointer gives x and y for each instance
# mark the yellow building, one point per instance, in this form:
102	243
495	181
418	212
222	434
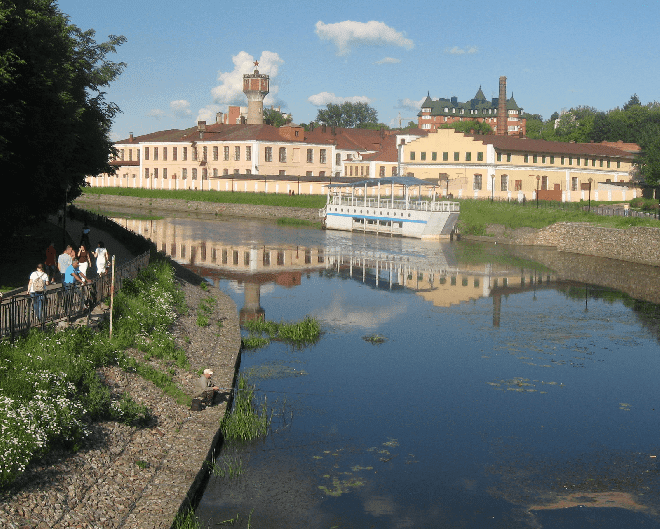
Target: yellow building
506	168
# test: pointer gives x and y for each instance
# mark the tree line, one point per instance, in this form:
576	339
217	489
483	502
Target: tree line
634	122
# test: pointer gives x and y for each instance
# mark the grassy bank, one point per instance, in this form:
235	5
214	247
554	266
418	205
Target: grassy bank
476	215
221	197
50	391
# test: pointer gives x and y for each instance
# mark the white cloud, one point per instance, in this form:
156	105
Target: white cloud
462	51
349	33
180	108
230	89
156	113
410	104
322	99
388	60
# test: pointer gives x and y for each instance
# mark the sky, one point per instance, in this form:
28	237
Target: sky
185	61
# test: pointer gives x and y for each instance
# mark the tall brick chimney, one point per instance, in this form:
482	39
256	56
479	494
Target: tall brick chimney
502	117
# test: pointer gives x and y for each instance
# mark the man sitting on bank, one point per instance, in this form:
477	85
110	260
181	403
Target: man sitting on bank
207	387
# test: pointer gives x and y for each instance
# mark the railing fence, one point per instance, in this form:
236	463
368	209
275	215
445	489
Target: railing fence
21	312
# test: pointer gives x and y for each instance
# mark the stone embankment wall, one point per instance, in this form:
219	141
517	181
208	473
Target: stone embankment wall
635	245
154	205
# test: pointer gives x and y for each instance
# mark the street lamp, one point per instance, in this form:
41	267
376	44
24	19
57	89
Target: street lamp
492	188
538	179
590	180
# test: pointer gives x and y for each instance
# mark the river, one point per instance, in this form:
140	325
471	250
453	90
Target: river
502	393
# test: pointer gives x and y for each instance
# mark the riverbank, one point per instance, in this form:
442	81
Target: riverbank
156	206
124	477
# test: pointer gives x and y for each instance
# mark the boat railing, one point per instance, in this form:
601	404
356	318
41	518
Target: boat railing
417	205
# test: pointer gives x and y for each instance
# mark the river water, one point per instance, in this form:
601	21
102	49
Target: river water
504	393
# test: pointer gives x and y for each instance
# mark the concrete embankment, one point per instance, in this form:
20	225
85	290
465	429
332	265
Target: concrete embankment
116	203
634	245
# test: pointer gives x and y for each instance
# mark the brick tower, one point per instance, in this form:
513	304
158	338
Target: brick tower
502	115
255	88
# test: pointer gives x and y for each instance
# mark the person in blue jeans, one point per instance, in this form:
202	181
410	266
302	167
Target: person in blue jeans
73	277
36	287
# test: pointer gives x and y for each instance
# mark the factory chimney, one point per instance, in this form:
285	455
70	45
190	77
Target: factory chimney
502	117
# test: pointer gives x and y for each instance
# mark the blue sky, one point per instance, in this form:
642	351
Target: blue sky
185	60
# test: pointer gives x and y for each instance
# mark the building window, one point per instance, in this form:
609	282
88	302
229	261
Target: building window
146	172
215	153
321	173
570	160
194	173
164	172
155	153
608	164
457	156
544	183
146	153
618	165
574	183
237	171
338	158
382	170
535	159
480	156
309	173
310	155
205	152
562	160
184	174
468	156
518	185
393	171
552	160
225	153
282	154
434	156
508	157
282	172
322	156
185	154
237	153
423	156
248	153
543	159
593	162
130	155
445	156
527	158
268	154
476	185
174	153
412	155
165	153
504	183
225	172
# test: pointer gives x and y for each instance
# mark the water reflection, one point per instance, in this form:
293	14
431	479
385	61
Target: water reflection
513	385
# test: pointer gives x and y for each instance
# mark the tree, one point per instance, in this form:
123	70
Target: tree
348	115
54	120
275	117
469	127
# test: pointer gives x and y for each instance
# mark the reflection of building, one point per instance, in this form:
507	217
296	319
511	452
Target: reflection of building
439	278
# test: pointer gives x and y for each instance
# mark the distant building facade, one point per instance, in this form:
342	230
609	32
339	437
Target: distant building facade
443	111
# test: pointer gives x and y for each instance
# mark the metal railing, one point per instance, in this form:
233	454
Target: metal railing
417	205
21	312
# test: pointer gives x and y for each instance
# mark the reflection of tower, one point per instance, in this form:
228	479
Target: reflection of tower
255	87
251	309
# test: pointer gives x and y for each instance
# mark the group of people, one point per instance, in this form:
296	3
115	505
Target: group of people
72	266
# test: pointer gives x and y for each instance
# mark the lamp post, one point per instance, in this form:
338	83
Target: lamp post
492	188
538	179
589	208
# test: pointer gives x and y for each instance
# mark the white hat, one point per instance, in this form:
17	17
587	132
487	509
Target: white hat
208	372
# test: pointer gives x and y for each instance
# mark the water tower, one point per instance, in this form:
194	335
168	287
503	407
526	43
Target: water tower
255	88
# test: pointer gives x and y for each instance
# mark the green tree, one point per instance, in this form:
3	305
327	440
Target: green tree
54	120
469	127
275	117
349	115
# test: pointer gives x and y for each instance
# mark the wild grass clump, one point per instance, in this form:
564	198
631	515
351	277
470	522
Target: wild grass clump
300	334
247	420
298	223
205	311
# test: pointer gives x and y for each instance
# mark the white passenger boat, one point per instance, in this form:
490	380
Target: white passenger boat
422	218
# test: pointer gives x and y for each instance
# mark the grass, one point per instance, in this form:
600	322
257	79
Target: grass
220	197
298	223
247	420
476	215
300	333
50	392
205	310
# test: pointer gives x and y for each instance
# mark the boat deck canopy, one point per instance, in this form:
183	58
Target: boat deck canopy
406	181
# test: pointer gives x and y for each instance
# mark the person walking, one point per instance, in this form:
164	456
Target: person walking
83	258
36	288
64	261
73	278
101	256
51	255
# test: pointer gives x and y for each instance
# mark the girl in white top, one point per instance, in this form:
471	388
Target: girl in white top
101	256
38	278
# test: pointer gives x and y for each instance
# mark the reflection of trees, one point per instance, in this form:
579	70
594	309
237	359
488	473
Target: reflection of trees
646	312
